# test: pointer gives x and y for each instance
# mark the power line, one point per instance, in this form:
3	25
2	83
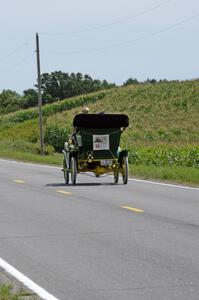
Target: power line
22	61
110	24
17	49
125	42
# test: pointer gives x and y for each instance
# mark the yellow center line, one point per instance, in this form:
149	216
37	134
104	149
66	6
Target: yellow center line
133	209
64	192
19	181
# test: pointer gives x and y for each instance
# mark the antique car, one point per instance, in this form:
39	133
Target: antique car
94	146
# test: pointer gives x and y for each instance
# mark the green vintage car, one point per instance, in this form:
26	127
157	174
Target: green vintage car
94	147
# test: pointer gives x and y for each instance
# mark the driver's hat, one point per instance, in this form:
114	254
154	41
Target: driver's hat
85	110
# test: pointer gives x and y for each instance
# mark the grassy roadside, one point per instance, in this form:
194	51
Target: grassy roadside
55	159
172	174
7	293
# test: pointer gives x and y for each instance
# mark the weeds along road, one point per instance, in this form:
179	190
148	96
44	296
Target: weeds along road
97	240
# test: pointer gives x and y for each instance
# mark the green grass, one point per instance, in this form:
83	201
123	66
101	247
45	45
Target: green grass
7	293
27	156
181	175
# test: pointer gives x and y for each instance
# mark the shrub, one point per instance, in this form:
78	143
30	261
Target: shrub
55	136
49	150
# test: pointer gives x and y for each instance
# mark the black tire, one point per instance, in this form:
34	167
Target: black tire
73	169
66	172
116	175
125	169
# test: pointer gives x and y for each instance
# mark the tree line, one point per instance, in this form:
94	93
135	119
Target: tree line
57	86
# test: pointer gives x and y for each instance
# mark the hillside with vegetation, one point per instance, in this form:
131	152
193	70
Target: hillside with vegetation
163	131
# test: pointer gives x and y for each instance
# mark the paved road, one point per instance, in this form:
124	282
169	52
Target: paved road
97	240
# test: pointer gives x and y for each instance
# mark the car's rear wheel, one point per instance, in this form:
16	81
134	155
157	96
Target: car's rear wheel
73	169
125	169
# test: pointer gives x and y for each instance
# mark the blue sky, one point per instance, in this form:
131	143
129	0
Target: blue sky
106	39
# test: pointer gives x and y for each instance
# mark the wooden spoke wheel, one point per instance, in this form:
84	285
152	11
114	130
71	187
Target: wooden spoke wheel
73	169
116	175
66	172
125	169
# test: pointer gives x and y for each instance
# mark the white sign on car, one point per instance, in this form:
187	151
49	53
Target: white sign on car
101	142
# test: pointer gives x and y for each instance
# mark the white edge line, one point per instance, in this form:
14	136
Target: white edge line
132	179
165	184
29	164
26	281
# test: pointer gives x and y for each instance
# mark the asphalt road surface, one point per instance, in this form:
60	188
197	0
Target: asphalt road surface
97	240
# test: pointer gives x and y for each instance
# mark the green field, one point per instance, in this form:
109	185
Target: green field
163	132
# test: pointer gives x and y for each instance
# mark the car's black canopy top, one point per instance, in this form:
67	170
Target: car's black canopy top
101	121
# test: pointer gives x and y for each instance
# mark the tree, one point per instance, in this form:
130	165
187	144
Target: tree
10	101
58	85
30	98
130	81
52	84
152	81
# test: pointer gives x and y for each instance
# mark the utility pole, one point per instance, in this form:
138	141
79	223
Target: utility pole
39	97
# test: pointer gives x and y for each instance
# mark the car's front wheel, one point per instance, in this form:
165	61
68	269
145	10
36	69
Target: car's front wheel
66	172
116	175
